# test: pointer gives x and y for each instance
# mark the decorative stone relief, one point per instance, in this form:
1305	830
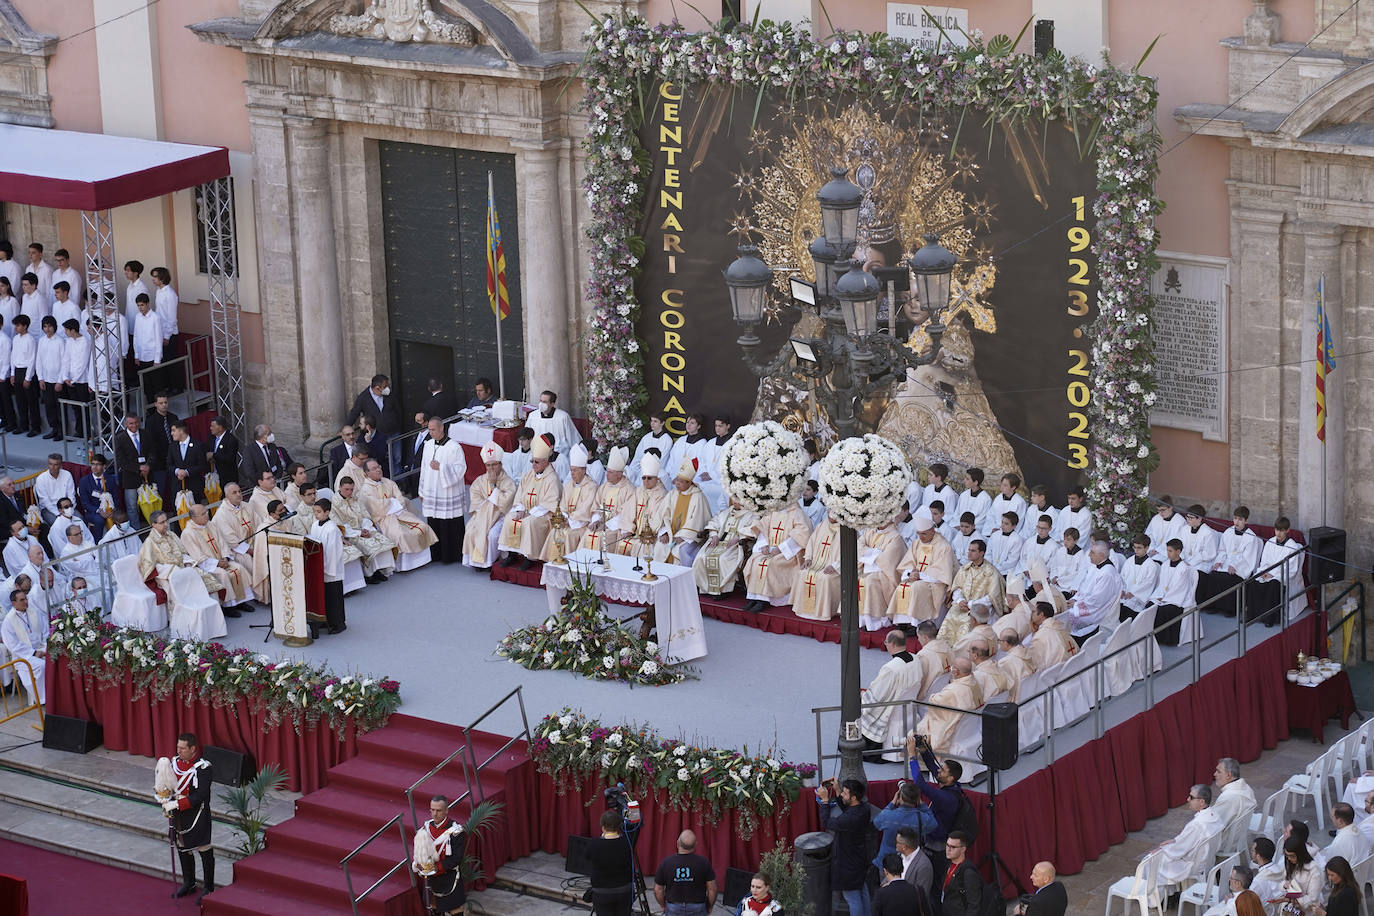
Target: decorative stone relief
404	20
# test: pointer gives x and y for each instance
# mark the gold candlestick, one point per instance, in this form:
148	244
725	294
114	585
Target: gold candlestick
647	537
559	521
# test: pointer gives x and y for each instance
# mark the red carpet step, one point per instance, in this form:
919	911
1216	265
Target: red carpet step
730	609
299	872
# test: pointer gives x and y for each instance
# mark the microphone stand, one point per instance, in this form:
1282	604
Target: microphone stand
270	622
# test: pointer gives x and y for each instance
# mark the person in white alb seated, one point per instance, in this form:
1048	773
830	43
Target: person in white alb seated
1200	541
779	552
375	550
526	525
388	509
24	633
68	541
1041	545
964	533
976	500
1349	841
681	518
1015	662
490	497
1280	574
553	420
1174	593
1139	577
1069	565
50	486
938	488
1098	597
1075	515
116	542
977	594
326	532
1239	882
705	448
1006	500
880	549
1005	546
657	437
1183	856
212	555
1165	524
1365	821
1038	505
577	503
1238	556
943	527
16	552
926	573
1235	799
162	553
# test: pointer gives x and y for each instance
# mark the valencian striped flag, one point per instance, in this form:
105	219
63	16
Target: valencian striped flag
497	291
1326	360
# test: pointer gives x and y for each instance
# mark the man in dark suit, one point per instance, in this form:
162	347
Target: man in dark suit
131	449
380	406
262	455
186	463
1050	897
11	506
896	897
223	451
441	402
158	423
339	454
89	490
960	888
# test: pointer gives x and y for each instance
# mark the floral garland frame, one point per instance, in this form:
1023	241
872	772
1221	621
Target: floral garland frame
1110	108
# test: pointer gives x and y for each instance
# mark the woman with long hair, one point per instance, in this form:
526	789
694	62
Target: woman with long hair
1301	874
1345	890
1248	903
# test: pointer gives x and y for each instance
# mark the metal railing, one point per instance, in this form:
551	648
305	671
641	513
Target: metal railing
1354	608
405	861
1051	696
35	702
472	770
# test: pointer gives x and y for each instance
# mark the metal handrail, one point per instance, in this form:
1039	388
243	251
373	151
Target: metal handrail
467	780
405	860
35	702
1096	669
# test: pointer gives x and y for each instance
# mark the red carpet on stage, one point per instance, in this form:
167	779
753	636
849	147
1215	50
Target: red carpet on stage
61	885
299	873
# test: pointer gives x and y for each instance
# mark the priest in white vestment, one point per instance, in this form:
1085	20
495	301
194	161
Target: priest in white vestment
265	492
443	491
992	680
526	526
778	553
925	574
1098	599
816	591
24	633
374	549
617	492
881	549
209	553
681	519
976	595
1015	661
900	675
387	507
115	540
1050	643
934	656
72	543
717	565
1185	856
577	504
962	692
491	497
162	553
636	518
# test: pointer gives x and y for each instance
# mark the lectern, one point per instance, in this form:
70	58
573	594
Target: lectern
288	558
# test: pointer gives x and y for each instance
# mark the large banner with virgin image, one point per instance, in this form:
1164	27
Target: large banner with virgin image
1010	389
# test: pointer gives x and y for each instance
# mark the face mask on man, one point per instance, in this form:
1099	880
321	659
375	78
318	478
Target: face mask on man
271	437
23	534
386	392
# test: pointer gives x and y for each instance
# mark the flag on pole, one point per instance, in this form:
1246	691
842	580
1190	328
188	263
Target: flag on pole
497	291
1326	360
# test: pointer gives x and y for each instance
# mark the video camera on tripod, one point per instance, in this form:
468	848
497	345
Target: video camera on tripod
618	799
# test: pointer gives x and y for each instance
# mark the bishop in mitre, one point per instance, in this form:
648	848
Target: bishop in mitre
612	496
211	555
717	565
638	515
926	573
526	527
779	552
681	518
376	550
386	506
880	551
490	497
816	593
578	504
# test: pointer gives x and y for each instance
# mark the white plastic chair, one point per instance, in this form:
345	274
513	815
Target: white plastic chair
1273	814
940	683
1147	654
1074	692
1190	626
968	735
194	614
1141	889
134	604
1312	783
1119	671
1206	892
1030	712
1235	838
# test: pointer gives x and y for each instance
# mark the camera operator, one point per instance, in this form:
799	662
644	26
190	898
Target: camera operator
850	819
612	865
952	810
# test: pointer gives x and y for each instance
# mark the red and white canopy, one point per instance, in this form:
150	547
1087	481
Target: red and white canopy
71	170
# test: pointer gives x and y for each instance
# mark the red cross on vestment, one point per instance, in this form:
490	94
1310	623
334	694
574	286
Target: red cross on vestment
533	495
810	581
777	530
763	567
825	544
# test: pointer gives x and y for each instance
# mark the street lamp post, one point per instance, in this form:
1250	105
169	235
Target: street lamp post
850	363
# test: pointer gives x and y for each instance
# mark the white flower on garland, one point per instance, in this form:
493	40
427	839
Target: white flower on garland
864	481
763	466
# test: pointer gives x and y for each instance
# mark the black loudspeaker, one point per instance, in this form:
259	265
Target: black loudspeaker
579	860
231	768
1001	735
1326	555
1044	36
736	886
79	736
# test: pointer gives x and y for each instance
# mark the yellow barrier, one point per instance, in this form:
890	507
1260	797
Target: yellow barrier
35	702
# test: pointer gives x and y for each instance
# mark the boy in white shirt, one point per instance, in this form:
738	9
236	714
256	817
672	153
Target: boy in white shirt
76	369
147	334
48	369
936	488
1067	569
32	302
23	352
975	499
325	531
1008	500
963	536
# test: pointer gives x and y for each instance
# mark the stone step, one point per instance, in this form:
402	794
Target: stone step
141	818
96	843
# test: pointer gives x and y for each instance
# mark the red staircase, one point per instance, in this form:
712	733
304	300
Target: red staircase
299	872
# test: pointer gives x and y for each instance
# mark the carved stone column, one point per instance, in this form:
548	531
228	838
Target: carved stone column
317	271
1256	406
550	330
1321	469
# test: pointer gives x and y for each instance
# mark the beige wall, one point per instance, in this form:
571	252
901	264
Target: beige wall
72	68
202	84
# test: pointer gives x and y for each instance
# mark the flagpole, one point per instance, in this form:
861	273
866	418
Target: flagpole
496	309
1321	330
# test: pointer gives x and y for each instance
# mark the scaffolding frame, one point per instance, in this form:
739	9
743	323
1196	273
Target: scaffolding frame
218	229
107	349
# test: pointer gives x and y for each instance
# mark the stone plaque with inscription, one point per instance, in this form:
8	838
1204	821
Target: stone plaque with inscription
1190	343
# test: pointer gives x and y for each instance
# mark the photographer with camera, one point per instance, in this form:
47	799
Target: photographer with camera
612	867
952	809
846	813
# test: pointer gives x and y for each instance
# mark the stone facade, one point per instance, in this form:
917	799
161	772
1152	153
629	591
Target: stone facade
319	102
24	53
1300	128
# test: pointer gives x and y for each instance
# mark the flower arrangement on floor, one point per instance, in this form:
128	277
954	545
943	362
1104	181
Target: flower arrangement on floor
864	481
1110	109
763	466
583	640
304	693
571	747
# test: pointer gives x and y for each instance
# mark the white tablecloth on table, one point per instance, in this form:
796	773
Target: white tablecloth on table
677	607
466	433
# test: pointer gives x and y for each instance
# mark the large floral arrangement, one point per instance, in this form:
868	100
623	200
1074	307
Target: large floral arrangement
763	466
571	747
583	640
864	481
298	691
1106	106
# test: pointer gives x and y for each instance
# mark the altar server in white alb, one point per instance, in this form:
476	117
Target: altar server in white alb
1173	594
325	532
443	492
1200	542
1006	500
1285	579
553	420
1005	545
491	496
1099	595
976	500
1039	505
1041	545
1165	524
1238	556
25	635
1075	515
657	437
1139	576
